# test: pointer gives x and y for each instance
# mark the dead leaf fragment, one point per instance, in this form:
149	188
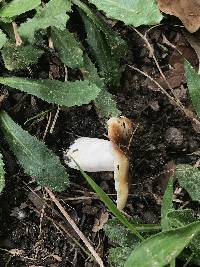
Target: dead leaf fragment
99	223
187	11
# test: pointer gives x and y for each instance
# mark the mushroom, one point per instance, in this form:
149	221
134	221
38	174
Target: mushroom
99	155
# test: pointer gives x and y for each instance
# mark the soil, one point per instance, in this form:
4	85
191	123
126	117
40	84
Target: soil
33	234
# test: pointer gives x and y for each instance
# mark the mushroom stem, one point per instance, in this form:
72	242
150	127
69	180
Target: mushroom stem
97	155
119	132
121	173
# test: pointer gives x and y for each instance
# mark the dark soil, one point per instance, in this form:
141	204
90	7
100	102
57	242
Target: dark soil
164	137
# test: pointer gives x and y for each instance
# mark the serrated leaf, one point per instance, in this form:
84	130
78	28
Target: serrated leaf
189	178
68	48
3	39
20	57
116	43
105	104
106	53
2	174
136	13
52	14
179	218
119	234
33	155
193	83
53	91
167	204
17	7
160	249
118	256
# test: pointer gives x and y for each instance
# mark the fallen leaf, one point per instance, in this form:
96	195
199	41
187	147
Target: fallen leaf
187	11
99	223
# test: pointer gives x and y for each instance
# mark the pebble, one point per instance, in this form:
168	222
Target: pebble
174	137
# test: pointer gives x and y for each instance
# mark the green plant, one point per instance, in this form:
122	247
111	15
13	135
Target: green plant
23	43
30	30
138	245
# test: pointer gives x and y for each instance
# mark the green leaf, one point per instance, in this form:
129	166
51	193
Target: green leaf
68	48
2	174
180	218
136	13
119	234
104	102
117	44
109	203
118	256
193	83
160	249
106	46
20	57
36	159
53	14
3	39
189	178
54	91
17	7
167	204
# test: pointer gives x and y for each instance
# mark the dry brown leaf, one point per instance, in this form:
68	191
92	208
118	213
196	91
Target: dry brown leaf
188	11
194	41
99	223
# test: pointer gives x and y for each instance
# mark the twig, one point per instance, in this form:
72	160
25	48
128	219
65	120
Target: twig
63	230
131	139
175	99
54	120
187	113
18	39
159	86
158	66
47	127
75	227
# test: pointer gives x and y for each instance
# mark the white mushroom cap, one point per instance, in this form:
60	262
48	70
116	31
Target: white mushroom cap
92	155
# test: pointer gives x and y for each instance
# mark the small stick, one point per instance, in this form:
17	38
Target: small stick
54	120
190	115
18	39
75	227
158	66
159	86
47	127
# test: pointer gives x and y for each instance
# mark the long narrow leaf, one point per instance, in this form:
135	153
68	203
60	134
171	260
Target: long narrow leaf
17	7
193	83
167	204
136	13
160	249
52	14
33	155
68	48
53	91
3	39
105	104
